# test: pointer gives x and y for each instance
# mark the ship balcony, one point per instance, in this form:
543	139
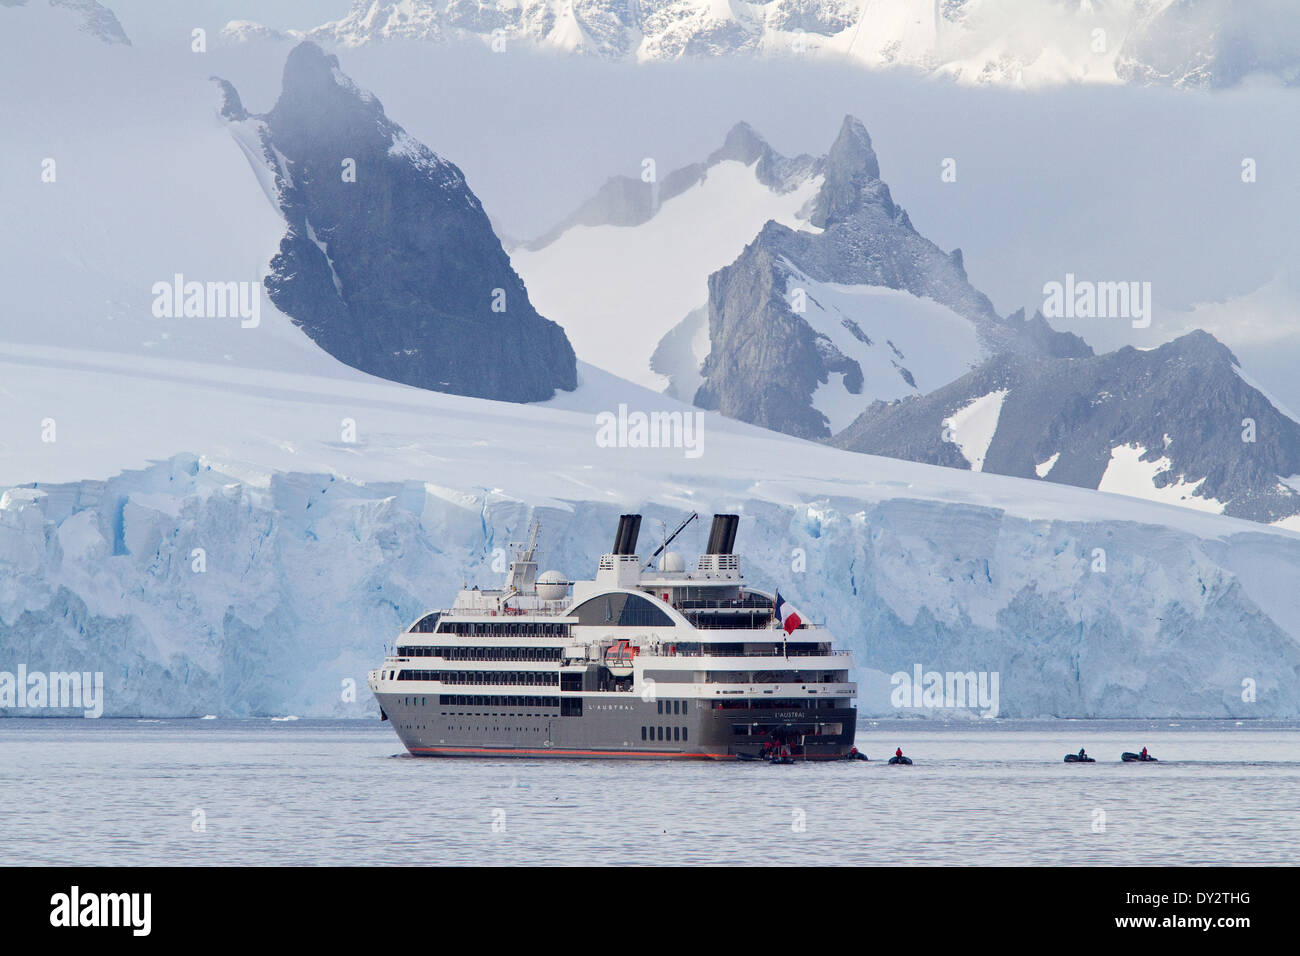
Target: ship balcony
479	611
421	662
756	691
836	660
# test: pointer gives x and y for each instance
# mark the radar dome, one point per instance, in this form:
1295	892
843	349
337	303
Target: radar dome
552	586
672	562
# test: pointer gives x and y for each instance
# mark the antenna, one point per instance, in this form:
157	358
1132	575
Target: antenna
668	540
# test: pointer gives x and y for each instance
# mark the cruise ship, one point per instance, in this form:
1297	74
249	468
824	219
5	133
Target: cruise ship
648	660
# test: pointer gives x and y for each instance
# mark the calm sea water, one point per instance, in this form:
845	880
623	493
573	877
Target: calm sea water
125	792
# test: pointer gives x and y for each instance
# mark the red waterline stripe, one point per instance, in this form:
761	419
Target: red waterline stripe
567	753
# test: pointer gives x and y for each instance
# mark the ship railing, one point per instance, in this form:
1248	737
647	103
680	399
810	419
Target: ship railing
762	622
677	651
512	610
740	604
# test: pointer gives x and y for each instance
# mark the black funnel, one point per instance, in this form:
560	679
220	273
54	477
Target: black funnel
722	536
629	529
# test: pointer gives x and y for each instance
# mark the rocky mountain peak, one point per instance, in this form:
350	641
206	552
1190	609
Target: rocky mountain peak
742	143
791	350
390	263
319	101
852	149
1202	347
852	177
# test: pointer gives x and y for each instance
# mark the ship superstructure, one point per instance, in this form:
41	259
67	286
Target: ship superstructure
647	660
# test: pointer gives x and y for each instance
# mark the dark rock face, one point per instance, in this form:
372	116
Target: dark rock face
766	361
1184	402
399	272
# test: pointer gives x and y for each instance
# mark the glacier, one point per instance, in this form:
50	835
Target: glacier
305	577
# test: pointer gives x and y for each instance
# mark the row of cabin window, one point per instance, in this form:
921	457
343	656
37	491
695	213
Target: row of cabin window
452	653
678	734
466	700
528	678
505	628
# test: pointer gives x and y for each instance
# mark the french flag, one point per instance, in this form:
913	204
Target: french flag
786	614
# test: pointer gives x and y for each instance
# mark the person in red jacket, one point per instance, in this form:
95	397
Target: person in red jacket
898	752
1144	753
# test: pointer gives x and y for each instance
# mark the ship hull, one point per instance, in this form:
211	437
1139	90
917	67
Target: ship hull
614	727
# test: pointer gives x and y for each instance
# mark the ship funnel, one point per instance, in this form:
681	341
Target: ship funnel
722	536
629	528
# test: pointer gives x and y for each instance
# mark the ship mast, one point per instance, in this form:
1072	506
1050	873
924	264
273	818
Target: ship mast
522	577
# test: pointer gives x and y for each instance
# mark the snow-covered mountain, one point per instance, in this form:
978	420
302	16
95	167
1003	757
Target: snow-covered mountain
390	263
837	302
630	266
1178	424
808	326
1005	42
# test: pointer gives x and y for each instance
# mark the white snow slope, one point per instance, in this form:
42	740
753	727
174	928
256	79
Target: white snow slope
129	442
618	290
974	425
907	336
1128	474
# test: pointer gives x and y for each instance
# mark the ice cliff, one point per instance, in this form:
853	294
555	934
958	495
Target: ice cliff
200	592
